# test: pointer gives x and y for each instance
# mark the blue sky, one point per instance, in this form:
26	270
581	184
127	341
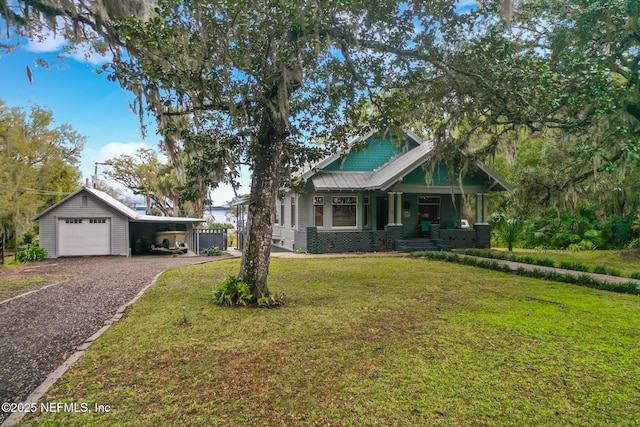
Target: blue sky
92	105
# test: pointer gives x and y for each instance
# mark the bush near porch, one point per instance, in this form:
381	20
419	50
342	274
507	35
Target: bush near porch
364	341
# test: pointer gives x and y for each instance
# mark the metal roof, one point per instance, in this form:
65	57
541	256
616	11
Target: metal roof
334	181
121	208
113	203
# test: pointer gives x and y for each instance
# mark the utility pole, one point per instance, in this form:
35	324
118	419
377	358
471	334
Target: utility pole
95	172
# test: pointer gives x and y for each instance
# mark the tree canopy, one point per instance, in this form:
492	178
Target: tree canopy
159	183
38	164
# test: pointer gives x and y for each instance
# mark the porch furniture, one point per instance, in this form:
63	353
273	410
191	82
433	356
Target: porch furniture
424	227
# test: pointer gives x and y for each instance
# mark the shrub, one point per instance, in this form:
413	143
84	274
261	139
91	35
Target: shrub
599	269
33	253
218	225
614	272
301	251
29	237
232	291
547	262
625	288
214	251
270	301
635	276
574	266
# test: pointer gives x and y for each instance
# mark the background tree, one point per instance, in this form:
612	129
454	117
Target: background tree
38	165
158	182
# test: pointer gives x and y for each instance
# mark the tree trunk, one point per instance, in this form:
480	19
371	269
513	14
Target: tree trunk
266	155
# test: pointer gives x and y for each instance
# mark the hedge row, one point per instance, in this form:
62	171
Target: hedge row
582	279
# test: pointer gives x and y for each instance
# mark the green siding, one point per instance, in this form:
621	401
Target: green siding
441	176
376	153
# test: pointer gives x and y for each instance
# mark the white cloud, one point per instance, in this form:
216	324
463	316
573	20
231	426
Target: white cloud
50	42
84	53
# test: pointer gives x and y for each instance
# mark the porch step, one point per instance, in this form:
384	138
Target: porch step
416	245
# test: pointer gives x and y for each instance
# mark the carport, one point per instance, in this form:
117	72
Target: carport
91	222
143	231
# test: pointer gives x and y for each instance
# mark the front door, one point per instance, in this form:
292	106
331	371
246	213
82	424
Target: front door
382	212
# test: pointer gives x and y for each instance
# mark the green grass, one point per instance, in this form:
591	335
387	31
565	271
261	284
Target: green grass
14	286
364	342
626	262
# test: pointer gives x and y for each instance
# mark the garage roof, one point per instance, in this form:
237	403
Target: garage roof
121	208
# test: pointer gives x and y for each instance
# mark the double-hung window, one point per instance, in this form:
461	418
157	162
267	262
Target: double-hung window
318	211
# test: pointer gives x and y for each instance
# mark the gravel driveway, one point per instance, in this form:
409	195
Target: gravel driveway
39	331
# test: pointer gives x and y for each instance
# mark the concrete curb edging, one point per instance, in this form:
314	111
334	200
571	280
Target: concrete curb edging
33	398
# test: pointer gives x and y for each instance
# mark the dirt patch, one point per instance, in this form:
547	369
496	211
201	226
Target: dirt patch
633	254
38	268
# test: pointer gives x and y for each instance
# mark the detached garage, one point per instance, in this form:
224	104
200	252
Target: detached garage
90	222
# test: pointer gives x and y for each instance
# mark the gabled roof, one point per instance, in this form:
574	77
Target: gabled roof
387	175
399	166
311	169
120	207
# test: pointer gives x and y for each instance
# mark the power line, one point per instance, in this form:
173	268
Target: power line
37	191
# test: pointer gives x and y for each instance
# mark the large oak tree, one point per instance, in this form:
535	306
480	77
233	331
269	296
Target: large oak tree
259	81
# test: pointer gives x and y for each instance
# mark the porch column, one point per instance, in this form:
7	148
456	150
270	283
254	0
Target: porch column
392	212
485	208
482	208
399	208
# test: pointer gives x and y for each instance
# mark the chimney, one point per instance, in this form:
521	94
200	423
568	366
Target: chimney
86	183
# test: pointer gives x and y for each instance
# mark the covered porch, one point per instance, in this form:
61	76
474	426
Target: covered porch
435	221
406	222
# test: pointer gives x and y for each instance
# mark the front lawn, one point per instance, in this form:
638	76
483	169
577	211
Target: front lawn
381	341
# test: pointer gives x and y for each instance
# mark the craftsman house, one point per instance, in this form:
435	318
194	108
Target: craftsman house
382	198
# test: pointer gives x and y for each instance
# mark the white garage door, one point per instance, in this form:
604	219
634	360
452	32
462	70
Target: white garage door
83	236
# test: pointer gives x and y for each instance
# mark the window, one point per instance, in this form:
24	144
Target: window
282	212
98	221
84	201
429	209
73	221
365	219
318	211
293	211
344	211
